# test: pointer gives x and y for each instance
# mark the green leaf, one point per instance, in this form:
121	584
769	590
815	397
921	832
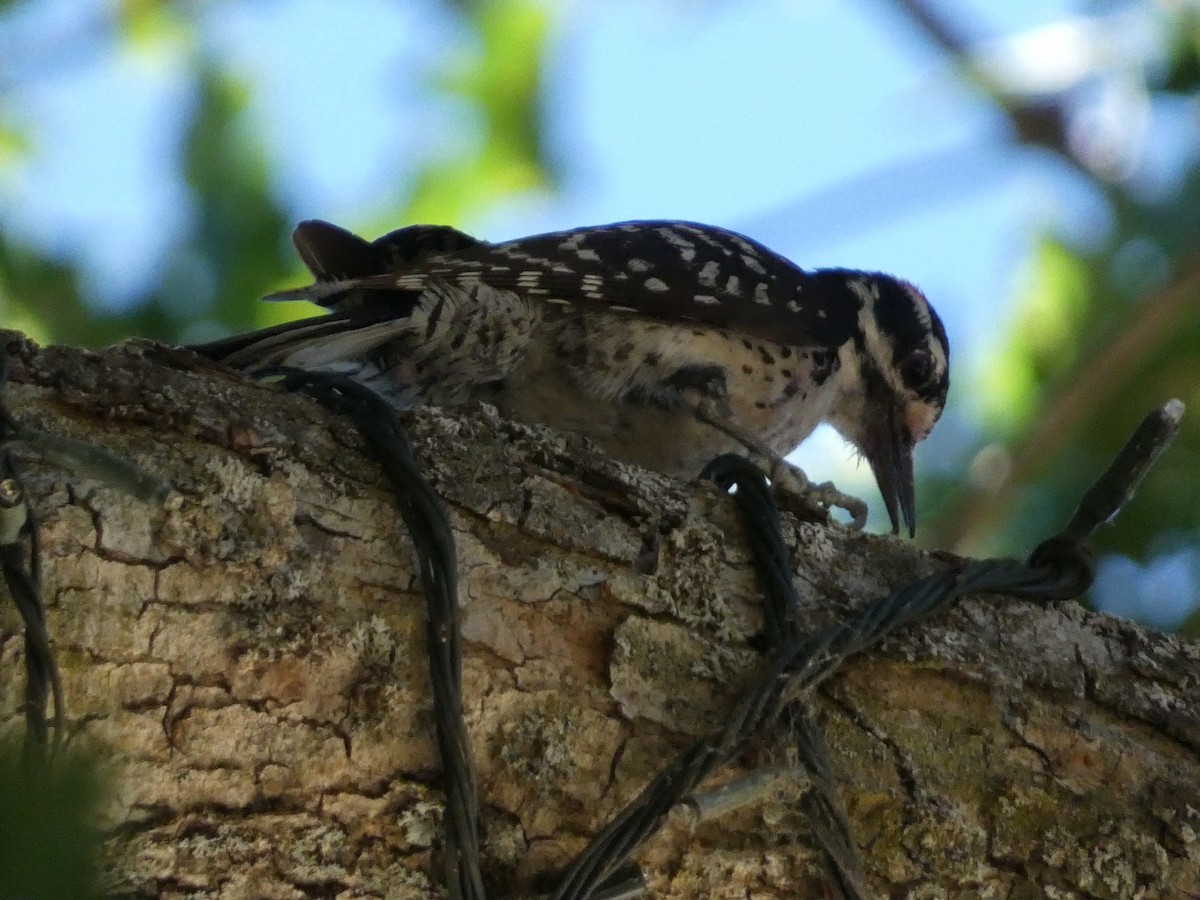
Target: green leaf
502	82
47	842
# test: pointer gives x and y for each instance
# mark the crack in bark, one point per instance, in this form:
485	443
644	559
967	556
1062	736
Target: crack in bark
329	741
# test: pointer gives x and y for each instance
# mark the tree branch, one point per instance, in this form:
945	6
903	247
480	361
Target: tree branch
250	655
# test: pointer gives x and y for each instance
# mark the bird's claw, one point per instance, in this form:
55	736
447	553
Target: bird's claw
829	496
794	491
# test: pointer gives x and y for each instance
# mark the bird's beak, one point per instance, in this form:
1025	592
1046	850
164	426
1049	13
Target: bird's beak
889	449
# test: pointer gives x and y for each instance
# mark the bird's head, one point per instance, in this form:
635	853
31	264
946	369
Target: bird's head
894	376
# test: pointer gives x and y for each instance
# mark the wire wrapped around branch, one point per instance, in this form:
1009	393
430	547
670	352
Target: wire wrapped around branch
803	661
21	570
429	528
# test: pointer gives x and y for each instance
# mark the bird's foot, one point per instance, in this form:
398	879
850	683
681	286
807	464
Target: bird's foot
795	493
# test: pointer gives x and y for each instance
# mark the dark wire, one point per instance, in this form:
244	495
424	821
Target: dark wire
781	610
429	528
1059	567
22	573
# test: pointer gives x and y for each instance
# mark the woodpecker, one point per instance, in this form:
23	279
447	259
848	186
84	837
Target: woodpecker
665	342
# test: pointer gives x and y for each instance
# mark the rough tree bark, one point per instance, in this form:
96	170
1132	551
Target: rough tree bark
250	654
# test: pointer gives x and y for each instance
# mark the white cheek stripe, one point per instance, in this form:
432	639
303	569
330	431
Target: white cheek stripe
878	348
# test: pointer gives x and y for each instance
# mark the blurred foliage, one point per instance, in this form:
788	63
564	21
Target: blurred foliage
1103	331
47	851
235	248
1182	72
502	82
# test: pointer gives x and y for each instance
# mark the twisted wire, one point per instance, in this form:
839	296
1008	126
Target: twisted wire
22	573
429	528
1059	567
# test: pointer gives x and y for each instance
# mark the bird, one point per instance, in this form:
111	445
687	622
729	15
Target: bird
667	343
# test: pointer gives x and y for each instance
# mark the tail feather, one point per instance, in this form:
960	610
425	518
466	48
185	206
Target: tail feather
321	292
308	343
448	342
377	306
316	352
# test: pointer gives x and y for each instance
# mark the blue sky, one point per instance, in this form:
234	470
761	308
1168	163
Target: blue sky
830	130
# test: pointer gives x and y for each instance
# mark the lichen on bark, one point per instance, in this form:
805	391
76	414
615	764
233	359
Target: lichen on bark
249	656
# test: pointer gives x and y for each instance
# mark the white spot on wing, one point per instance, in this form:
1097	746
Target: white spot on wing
708	274
656	284
588	254
703	235
878	345
639	265
751	262
744	245
733	286
761	294
675	239
706	299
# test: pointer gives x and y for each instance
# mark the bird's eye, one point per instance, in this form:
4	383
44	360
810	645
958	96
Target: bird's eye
917	369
